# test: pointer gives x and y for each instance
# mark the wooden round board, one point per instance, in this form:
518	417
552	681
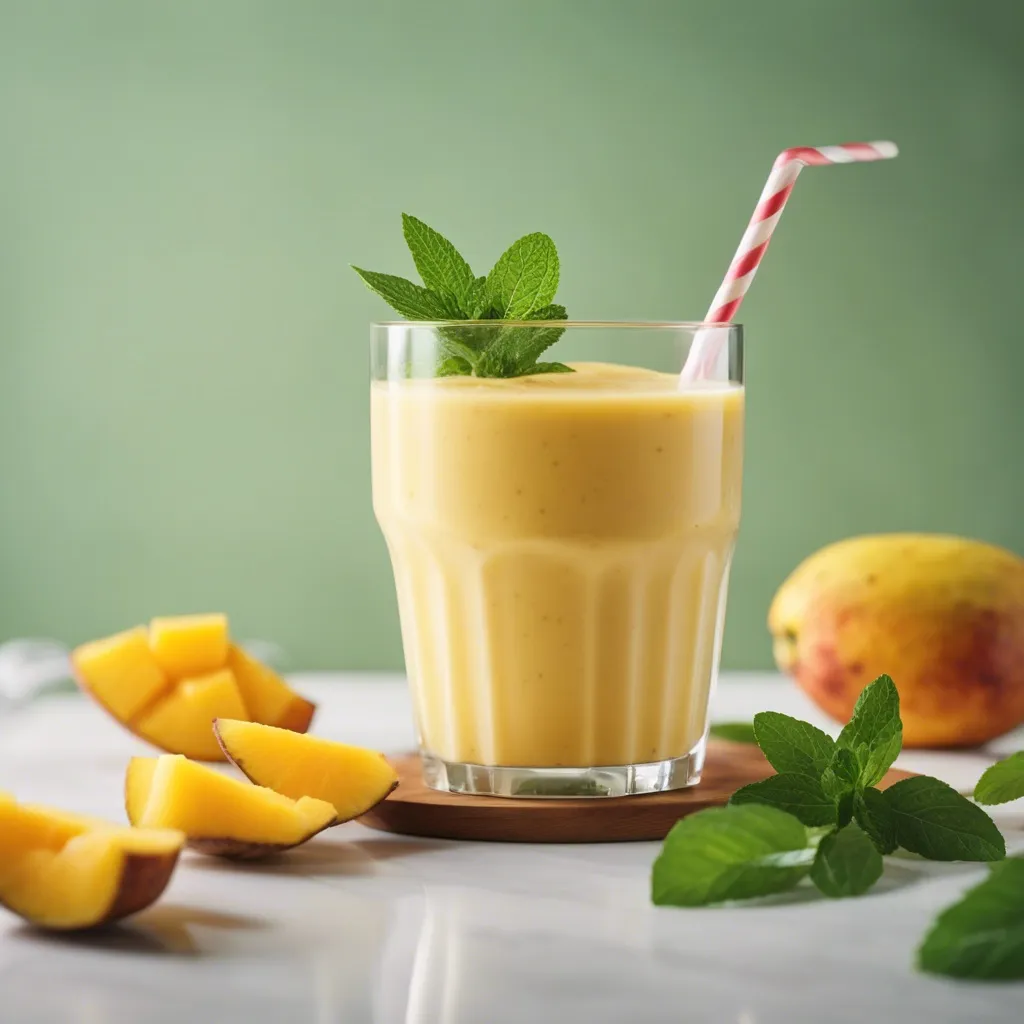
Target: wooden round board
413	809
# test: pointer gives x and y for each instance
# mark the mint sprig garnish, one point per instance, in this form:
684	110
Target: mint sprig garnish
520	287
1002	782
982	935
826	792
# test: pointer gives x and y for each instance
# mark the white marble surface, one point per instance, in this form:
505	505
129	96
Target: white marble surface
361	926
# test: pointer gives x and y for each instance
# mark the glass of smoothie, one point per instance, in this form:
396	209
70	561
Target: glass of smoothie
561	545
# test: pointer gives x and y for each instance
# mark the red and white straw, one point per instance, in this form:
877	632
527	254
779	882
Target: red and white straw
787	167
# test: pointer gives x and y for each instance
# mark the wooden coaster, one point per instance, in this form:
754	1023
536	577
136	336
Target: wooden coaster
415	810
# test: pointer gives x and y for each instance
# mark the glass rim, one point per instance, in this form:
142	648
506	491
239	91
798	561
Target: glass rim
663	325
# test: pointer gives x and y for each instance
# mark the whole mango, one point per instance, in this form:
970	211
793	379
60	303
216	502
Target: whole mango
944	616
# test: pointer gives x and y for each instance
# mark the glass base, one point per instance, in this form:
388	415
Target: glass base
560	783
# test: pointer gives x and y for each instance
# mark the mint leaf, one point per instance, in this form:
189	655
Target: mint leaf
409	299
454	366
546	368
844	809
842	774
440	265
874	816
550	312
521	286
875	732
525	278
515	351
1002	782
846	864
799	795
730	853
981	936
792	745
734	732
475	300
934	820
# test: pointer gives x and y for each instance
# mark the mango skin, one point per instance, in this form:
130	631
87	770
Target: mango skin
942	615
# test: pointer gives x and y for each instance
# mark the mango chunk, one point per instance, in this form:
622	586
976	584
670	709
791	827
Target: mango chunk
352	779
120	672
183	721
220	815
190	645
266	696
63	871
168	682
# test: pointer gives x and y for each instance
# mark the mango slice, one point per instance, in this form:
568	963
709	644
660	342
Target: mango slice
220	815
190	645
352	779
169	682
62	871
181	723
121	672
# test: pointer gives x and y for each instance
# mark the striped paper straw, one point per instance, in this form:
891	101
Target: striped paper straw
787	167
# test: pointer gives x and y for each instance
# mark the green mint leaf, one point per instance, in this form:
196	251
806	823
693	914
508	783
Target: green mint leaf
874	816
934	820
982	935
516	350
475	302
454	366
734	732
550	312
1003	782
792	745
730	853
846	864
440	265
799	795
875	732
409	299
844	809
545	368
525	278
842	774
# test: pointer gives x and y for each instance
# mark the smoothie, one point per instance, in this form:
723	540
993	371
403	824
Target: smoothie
561	547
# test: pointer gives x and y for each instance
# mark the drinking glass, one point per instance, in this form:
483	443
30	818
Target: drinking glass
561	544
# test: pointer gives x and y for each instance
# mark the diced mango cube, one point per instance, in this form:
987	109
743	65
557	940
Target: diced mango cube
121	672
190	645
183	721
266	696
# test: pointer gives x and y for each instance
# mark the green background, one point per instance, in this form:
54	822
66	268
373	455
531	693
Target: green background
183	398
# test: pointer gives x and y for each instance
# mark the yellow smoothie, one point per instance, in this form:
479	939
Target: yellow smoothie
561	547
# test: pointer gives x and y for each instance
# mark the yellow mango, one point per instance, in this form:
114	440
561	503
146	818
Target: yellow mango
219	814
183	721
353	779
120	672
266	696
190	645
62	871
942	615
